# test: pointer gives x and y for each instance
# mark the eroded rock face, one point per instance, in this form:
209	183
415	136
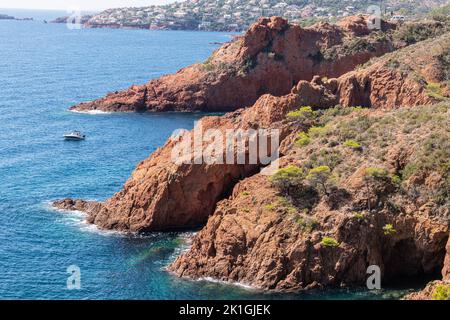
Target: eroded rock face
270	58
76	205
264	238
395	80
254	236
446	268
163	195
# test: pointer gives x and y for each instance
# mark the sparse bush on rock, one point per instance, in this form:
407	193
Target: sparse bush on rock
288	178
320	177
329	242
441	292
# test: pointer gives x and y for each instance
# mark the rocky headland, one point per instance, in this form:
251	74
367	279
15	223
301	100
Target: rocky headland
364	172
271	57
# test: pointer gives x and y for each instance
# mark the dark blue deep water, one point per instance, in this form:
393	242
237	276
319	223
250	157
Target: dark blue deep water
44	69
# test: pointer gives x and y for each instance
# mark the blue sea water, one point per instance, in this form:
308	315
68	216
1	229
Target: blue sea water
44	69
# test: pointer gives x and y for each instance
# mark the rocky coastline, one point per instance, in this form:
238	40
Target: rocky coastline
363	180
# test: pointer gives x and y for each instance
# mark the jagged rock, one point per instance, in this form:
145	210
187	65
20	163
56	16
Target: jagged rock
247	238
75	205
260	237
163	195
446	268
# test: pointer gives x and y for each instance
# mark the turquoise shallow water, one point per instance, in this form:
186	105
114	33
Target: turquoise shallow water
44	69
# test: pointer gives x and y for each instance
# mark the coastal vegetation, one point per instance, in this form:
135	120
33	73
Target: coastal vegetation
441	292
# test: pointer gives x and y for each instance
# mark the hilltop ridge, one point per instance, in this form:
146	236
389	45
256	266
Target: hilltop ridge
238	15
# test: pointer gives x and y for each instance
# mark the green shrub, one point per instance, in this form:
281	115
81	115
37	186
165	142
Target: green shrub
303	112
441	14
360	215
329	242
434	90
376	172
286	178
302	139
388	229
353	144
396	180
316	132
320	176
307	223
270	207
415	32
441	292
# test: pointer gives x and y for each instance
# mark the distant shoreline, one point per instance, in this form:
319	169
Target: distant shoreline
8	17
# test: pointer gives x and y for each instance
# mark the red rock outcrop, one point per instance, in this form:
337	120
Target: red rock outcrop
394	80
163	195
446	268
265	239
258	237
271	57
251	239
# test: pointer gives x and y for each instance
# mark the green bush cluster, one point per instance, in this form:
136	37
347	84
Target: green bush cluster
320	177
353	144
441	292
377	173
441	14
434	90
302	113
307	223
389	230
302	140
329	242
416	32
287	178
360	215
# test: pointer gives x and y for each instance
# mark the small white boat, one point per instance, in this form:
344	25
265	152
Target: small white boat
74	136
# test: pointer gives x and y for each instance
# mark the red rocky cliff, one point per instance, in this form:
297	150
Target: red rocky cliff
162	195
271	57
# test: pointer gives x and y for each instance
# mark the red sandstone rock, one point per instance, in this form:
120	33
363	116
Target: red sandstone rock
446	268
270	58
394	80
261	238
162	195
